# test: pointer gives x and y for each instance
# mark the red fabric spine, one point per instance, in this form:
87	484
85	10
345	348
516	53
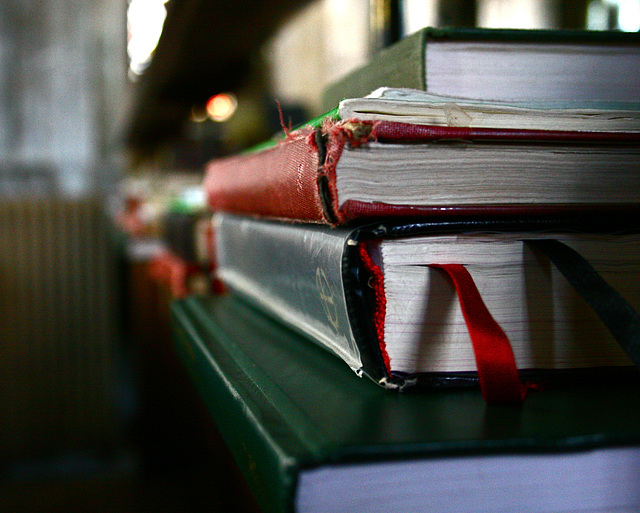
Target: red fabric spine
279	182
282	181
497	371
377	284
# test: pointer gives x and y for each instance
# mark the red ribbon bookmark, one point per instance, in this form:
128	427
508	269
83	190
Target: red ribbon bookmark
497	371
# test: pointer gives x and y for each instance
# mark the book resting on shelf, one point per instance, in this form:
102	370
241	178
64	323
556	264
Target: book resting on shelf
348	171
462	119
422	108
490	189
503	64
309	436
461	227
382	298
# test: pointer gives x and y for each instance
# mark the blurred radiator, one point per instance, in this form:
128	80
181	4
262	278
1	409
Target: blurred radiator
58	329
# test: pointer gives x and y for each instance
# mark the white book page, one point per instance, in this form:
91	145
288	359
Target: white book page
548	324
599	481
515	72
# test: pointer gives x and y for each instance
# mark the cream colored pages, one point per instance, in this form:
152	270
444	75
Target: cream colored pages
548	324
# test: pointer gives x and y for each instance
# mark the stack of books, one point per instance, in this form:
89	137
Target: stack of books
463	226
184	265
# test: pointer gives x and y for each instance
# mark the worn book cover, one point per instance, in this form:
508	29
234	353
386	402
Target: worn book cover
351	170
381	297
310	436
502	64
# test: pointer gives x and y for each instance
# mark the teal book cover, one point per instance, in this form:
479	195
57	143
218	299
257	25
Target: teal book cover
312	436
501	64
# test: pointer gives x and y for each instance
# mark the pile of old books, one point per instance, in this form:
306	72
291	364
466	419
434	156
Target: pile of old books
466	219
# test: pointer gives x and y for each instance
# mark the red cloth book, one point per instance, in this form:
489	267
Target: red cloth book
349	170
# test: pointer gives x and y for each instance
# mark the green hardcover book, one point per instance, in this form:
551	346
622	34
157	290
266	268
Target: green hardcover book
312	437
503	65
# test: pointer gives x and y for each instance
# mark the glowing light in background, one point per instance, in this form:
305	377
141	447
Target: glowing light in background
221	107
417	14
629	15
622	14
145	19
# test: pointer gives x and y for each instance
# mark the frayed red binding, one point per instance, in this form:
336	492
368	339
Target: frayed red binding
352	131
286	129
377	284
